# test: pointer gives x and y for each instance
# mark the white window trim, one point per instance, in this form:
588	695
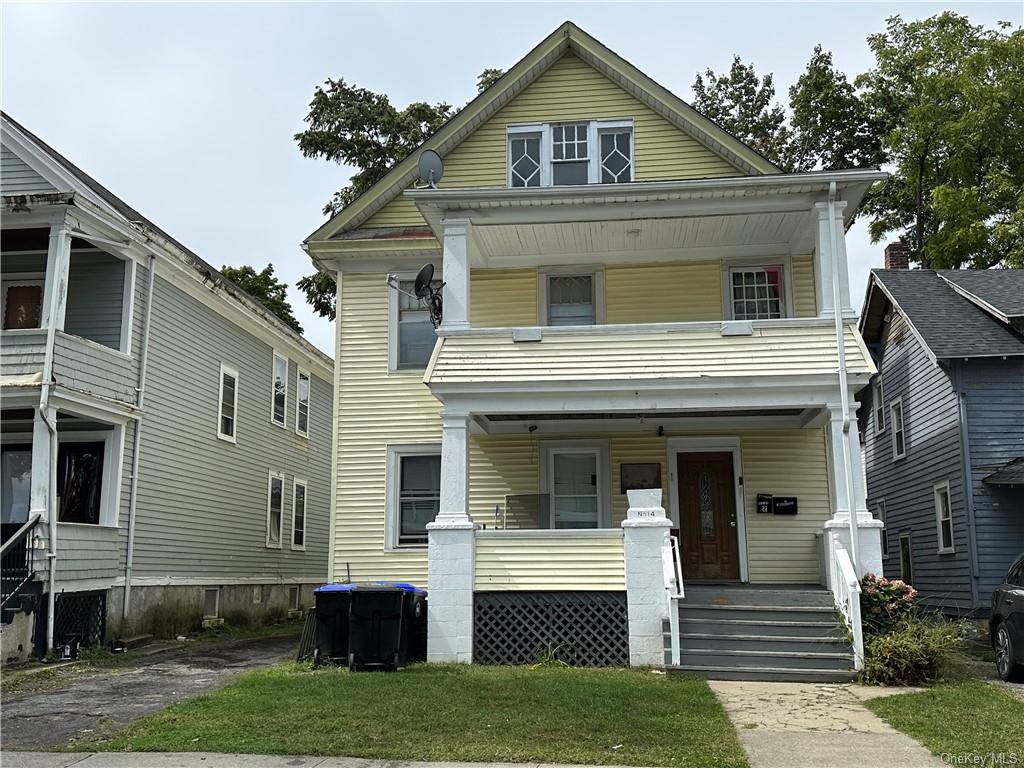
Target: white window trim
395	452
296	482
728	265
936	490
22	278
596	273
273	392
881	513
113	458
393	326
220	402
910	552
548	449
216	613
309	401
595	129
271	476
898	402
878	401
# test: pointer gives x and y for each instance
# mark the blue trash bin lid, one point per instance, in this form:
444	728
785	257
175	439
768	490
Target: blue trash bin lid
402	585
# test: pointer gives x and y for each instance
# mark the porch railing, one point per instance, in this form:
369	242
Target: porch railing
16	560
846	593
672	567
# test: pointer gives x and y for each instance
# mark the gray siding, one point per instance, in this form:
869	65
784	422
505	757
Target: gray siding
931	419
85	552
994	395
17	178
22	352
202	505
95	293
93	368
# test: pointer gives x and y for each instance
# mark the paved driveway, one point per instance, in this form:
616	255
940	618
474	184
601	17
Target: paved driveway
110	700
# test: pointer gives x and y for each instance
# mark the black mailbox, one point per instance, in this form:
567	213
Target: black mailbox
784	505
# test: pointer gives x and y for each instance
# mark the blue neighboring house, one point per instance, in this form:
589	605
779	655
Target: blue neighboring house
942	426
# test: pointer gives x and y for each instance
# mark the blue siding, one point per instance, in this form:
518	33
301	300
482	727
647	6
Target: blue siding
932	424
994	393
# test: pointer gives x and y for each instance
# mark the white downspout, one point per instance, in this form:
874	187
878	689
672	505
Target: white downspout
844	394
140	400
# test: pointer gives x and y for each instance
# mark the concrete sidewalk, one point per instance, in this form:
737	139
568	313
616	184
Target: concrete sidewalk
216	760
816	725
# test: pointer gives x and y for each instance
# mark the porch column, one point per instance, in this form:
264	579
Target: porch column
869	542
455	270
644	533
58	259
450	551
40	487
825	255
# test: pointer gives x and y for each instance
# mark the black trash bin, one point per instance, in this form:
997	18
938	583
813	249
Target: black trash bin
332	603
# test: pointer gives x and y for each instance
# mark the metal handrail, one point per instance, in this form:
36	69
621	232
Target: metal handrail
672	567
27	526
846	591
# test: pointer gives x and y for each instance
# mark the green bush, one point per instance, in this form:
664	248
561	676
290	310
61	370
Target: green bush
913	651
885	603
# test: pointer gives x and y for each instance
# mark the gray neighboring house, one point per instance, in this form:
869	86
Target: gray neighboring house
178	431
942	426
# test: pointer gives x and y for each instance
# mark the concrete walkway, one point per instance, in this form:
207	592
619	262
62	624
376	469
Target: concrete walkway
216	760
814	725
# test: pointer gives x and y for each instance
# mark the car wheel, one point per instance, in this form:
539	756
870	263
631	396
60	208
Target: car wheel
1006	662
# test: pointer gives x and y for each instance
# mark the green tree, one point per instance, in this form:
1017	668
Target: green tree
266	289
487	78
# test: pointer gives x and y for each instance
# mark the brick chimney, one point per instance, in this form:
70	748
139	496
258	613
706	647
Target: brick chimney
897	256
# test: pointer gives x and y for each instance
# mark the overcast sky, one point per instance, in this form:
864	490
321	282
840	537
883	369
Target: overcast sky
187	111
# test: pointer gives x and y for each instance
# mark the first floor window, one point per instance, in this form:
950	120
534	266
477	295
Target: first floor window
906	561
880	515
575	491
416	334
275	506
757	293
571	300
228	404
22	303
80	481
299	515
302	403
280	389
899	437
15	483
944	517
419	496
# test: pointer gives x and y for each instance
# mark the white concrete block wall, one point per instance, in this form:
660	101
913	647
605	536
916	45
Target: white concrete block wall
644	533
450	558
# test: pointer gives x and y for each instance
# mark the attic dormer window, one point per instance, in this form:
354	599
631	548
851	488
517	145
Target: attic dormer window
570	153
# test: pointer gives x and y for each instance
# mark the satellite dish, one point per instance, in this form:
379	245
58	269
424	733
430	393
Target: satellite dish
422	285
431	169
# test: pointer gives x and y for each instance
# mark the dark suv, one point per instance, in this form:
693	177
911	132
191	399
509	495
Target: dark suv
1006	627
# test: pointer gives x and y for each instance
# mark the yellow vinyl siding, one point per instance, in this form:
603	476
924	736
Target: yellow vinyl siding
568	90
663	293
503	298
804	303
550	562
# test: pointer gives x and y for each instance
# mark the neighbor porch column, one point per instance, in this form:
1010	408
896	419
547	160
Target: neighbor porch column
825	254
455	272
644	534
869	542
450	551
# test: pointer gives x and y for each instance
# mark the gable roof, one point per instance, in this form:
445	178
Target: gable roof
999	292
566	38
949	324
71	175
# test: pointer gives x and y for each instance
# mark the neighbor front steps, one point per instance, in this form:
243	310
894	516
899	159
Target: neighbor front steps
751	633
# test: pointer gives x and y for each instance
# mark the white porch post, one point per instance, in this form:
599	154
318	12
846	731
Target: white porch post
450	551
824	256
644	534
58	259
455	270
40	488
869	542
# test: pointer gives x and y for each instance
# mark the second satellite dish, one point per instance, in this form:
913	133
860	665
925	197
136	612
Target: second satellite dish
431	169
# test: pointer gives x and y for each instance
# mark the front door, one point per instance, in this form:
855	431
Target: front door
707	517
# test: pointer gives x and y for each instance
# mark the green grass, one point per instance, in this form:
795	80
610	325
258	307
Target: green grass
452	713
968	717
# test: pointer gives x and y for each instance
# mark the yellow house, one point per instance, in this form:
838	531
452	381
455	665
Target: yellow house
633	299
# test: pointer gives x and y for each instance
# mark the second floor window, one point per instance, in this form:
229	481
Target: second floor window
280	389
22	303
757	293
944	517
878	398
302	403
416	334
228	406
899	436
571	300
570	153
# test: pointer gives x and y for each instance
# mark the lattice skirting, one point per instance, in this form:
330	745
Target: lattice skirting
80	616
584	629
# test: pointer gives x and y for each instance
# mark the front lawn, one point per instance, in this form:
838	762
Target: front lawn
964	718
452	713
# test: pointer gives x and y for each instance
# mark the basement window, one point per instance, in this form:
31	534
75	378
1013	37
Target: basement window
570	153
211	603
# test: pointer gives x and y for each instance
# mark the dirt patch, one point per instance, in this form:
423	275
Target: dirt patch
95	702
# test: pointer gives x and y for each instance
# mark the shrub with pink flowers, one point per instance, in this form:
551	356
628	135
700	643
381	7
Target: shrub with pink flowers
885	603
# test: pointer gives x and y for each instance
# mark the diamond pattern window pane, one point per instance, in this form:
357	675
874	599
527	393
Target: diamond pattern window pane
571	300
616	166
707	509
524	156
757	293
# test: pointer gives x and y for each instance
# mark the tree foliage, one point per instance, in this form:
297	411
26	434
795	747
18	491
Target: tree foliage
266	289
